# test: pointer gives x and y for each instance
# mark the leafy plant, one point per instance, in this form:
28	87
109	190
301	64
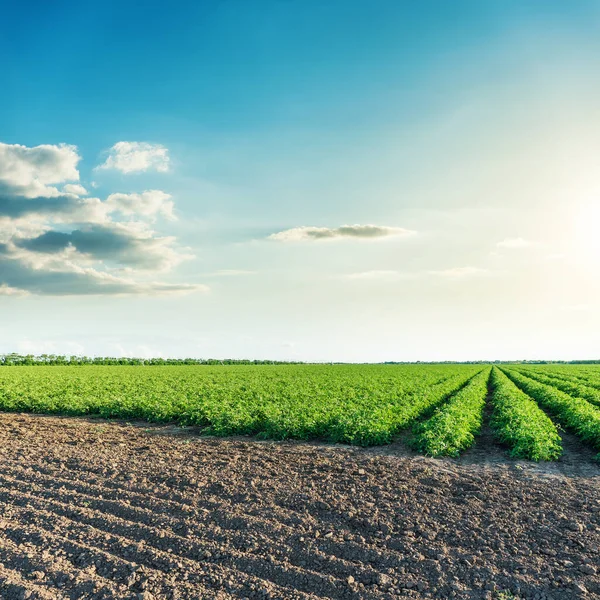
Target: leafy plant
453	426
519	422
575	414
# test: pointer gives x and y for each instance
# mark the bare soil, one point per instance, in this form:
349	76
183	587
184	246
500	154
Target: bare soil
92	509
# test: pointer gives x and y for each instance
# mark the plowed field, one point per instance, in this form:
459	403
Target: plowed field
92	509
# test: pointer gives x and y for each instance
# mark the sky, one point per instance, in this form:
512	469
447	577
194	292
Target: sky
326	180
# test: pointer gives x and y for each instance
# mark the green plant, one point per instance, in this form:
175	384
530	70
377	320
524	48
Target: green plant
518	422
575	414
452	427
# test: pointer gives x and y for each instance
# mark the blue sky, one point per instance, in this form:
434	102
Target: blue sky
319	180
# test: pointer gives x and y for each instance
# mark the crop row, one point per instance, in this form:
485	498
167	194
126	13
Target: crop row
587	376
574	388
453	426
575	414
518	422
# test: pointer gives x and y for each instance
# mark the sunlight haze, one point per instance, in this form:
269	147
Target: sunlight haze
316	181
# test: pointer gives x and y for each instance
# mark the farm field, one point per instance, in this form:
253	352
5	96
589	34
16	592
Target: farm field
438	409
345	403
123	499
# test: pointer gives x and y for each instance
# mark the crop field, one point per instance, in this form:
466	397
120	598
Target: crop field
440	408
355	404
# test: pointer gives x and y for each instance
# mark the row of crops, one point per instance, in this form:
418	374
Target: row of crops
438	409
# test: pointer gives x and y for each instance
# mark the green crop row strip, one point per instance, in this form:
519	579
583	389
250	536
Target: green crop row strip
575	414
572	374
453	426
579	390
357	404
378	425
518	422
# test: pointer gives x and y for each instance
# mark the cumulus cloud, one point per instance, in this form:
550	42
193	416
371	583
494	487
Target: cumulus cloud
22	278
515	243
31	172
461	272
69	208
361	232
60	208
134	157
147	204
54	241
75	189
116	242
5	290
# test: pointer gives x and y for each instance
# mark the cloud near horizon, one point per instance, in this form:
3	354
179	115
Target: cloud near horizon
361	232
381	275
55	242
135	157
515	243
461	272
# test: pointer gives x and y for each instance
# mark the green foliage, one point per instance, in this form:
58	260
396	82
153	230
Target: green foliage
575	414
573	388
519	423
357	404
453	426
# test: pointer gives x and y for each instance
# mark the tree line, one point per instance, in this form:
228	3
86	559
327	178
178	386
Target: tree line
13	360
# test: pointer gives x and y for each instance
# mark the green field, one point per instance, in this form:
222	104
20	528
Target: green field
440	408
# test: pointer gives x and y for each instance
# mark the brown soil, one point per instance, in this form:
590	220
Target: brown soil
90	509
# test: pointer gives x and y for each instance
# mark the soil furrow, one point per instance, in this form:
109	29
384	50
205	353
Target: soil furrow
13	586
174	549
141	566
55	572
85	570
252	519
223	526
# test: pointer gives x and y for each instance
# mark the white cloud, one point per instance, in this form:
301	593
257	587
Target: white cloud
515	243
65	278
133	157
128	244
364	232
31	172
147	204
75	189
460	272
55	242
381	275
6	290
